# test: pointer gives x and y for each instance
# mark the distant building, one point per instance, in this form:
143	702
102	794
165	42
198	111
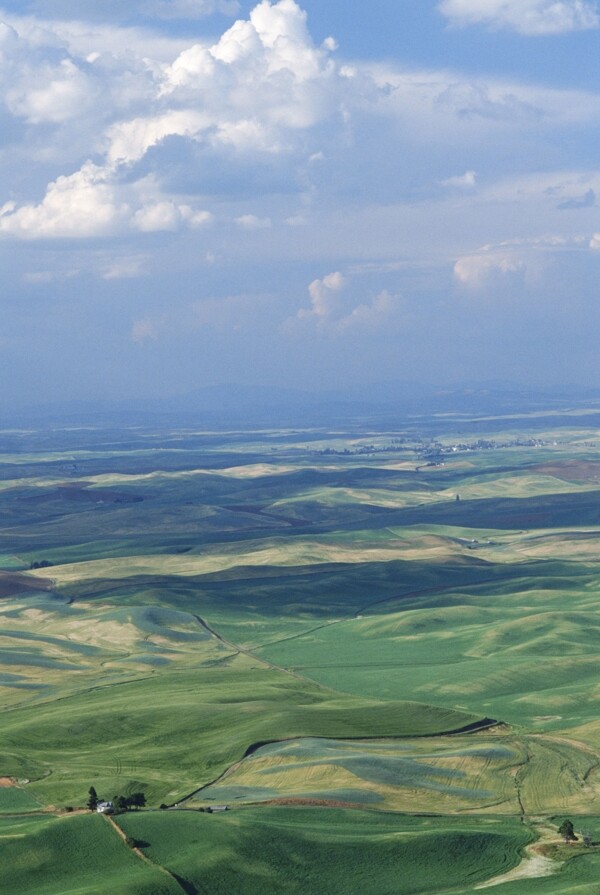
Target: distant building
105	808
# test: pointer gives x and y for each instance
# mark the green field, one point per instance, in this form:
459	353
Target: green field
306	850
384	665
73	855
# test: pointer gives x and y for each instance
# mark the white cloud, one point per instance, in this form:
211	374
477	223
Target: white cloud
264	74
41	84
256	90
475	270
524	257
90	204
595	242
159	216
79	38
323	296
371	314
53	95
261	110
81	205
252	222
455	107
196	219
466	180
125	268
530	17
130	140
331	308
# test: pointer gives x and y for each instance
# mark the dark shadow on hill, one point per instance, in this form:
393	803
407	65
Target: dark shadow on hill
188	888
475	727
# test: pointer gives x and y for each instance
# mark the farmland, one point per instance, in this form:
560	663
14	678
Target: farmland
377	660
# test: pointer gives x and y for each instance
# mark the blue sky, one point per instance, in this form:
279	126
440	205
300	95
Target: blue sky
306	194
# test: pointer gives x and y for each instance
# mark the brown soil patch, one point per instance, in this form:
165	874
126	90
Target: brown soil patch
6	782
571	470
313	803
17	583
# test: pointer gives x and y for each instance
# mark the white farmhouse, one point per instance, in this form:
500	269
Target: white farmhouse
105	808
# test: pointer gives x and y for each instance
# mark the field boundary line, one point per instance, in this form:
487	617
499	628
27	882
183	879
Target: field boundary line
474	728
246	652
140	854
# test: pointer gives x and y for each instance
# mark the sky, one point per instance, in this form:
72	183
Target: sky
314	194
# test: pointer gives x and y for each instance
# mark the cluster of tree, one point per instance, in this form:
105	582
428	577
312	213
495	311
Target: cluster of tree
126	803
121	803
42	564
567	831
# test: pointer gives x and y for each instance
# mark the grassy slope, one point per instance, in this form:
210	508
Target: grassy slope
487	605
334	852
173	732
72	856
440	775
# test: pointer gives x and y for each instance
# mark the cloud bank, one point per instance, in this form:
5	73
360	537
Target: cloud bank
528	17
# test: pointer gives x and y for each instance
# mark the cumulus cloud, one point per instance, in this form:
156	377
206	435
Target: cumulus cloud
252	222
466	180
159	216
264	77
260	110
130	140
330	307
515	257
54	96
81	205
90	204
255	91
475	270
324	297
529	17
41	84
371	314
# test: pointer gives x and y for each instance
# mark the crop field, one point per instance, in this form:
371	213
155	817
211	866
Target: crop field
284	850
378	647
72	855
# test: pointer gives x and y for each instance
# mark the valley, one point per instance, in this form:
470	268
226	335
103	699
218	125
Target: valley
385	667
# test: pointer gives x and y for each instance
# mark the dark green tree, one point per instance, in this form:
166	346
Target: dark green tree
136	800
93	799
567	832
120	803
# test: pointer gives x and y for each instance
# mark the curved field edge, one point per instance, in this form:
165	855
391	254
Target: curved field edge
173	733
332	852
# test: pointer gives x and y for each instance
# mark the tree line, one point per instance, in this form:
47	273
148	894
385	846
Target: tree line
120	803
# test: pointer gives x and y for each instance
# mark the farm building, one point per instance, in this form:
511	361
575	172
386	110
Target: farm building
105	808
